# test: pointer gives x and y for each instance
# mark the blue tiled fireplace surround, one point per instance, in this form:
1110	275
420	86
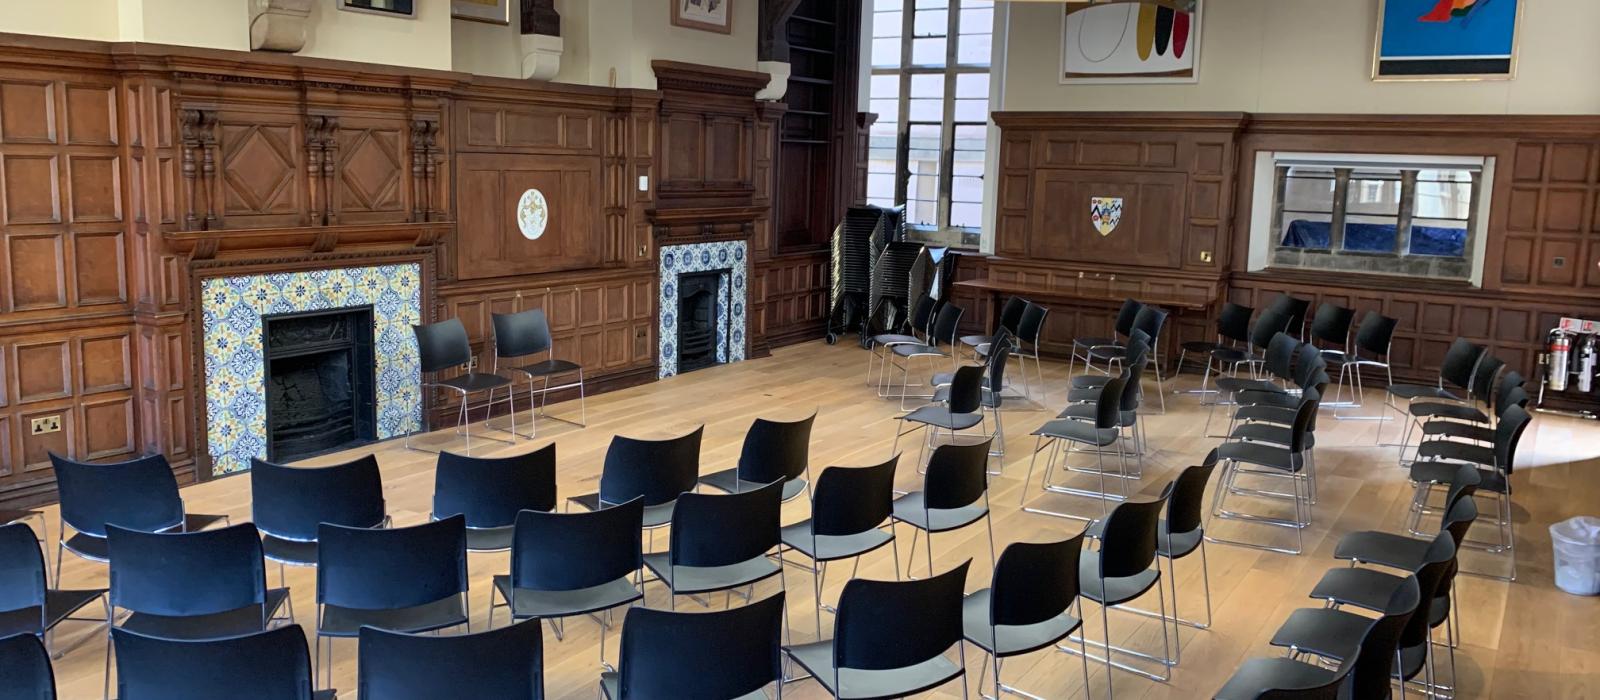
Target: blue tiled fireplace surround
728	257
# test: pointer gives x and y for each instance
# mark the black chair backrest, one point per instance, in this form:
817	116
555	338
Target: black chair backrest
1375	334
1187	503
922	313
490	491
505	663
725	529
1331	689
576	550
966	387
853	500
25	666
1505	392
1233	322
1305	420
1483	378
1128	545
1294	308
885	625
1370	677
957	475
1271	322
1460	362
776	450
994	375
442	345
1437	563
1138	353
723	654
1108	405
1308	363
1462	485
1458	520
22	573
1150	319
291	502
270	665
1517	396
657	470
388	569
1279	358
141	494
1034	581
1032	323
946	325
1331	324
521	334
188	573
1507	434
1011	314
1125	317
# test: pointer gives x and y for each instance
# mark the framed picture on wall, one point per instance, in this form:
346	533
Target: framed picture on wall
388	8
491	11
1131	41
1446	40
709	15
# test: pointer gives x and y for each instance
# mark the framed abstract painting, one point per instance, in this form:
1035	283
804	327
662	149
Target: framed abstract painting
708	15
1131	41
1446	40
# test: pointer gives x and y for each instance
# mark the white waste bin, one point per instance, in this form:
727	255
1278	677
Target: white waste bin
1577	554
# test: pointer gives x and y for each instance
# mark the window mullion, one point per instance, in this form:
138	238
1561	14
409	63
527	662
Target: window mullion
947	130
902	151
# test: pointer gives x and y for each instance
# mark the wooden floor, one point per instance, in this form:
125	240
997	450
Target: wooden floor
1522	640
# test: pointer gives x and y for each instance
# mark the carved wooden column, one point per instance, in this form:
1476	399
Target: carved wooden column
320	164
197	130
424	168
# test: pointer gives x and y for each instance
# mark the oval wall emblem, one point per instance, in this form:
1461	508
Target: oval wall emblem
532	214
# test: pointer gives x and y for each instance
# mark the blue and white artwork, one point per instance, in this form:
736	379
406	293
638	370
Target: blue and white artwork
729	257
1452	39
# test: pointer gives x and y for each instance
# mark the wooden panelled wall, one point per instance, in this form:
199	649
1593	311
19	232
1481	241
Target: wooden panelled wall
130	172
1187	180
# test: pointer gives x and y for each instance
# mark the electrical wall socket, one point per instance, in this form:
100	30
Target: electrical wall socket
47	424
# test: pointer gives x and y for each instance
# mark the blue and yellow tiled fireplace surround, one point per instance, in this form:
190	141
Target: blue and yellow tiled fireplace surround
233	354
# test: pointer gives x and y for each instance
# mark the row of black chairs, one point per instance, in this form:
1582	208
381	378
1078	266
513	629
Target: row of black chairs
1134	316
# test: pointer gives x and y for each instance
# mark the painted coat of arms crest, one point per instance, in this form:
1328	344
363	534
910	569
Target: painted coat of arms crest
1106	213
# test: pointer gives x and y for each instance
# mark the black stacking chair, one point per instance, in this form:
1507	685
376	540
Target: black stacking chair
504	664
1267	326
991	392
1277	369
139	494
719	543
730	654
1104	432
941	344
955	494
1122	571
1150	320
1437	461
444	346
1330	329
1339	636
1082	348
1290	461
773	451
490	491
407	579
1480	396
28	605
1456	372
656	470
1280	678
1025	609
289	504
890	638
1373	341
962	409
1030	331
526	334
8	516
1293	307
25	666
270	665
1010	319
566	564
916	332
1468	423
1398	551
848	510
1233	331
193	585
1082	401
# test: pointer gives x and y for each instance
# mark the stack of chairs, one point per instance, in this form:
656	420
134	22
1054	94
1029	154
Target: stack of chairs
857	243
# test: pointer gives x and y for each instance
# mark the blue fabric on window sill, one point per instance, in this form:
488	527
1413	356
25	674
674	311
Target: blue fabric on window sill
1378	238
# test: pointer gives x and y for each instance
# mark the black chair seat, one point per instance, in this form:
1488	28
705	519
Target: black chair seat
58	606
88	546
894	338
1231	355
1362	587
489	539
831	547
291	552
857	684
474	382
987	398
1086	411
1457	451
1326	632
1203	347
1118	589
1255	676
1457	430
1280	415
1419	391
1010	640
1235	385
1271	399
1091	342
1259	454
909	509
1112	352
1453	411
1088	381
1182	543
547	604
1490	480
941	417
654	516
701	579
549	367
915	350
1272	433
347	622
1386	548
246	620
728	481
1078	431
976	340
610	684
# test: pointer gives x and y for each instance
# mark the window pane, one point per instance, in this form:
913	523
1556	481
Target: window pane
931	23
1370	234
975	20
927	110
881	185
922	211
1373	193
924	144
966	189
972	110
1440	237
972	85
1305	230
887	110
932	4
966	214
887	24
885	87
928	86
974	49
1443	200
1308	190
886	53
927	52
881	159
884	5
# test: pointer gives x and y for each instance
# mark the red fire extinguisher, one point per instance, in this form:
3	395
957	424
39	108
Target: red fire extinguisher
1560	356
